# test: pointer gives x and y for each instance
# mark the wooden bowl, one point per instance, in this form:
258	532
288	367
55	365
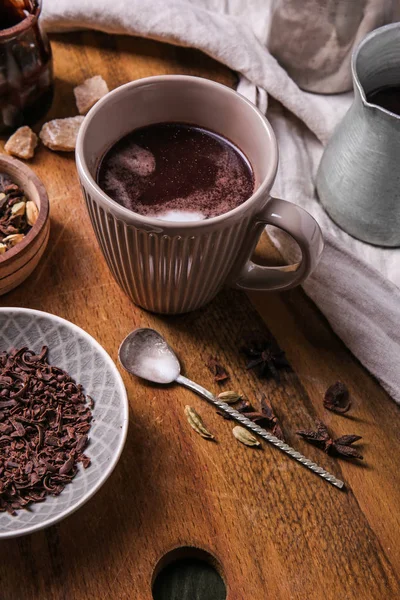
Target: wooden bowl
19	262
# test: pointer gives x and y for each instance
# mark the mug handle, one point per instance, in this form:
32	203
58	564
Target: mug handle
304	230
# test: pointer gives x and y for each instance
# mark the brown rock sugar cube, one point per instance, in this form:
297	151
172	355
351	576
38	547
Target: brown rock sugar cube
22	143
61	134
89	92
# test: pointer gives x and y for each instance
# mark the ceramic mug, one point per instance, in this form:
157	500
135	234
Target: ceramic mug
174	267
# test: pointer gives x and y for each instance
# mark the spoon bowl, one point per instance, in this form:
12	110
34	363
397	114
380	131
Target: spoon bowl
146	354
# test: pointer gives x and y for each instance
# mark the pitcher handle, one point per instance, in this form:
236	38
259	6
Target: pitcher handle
304	230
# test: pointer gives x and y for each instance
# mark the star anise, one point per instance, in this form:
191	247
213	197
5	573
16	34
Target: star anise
268	411
266	418
265	356
219	372
337	447
337	398
242	406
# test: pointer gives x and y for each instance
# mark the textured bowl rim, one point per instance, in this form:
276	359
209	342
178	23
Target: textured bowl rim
9	165
125	409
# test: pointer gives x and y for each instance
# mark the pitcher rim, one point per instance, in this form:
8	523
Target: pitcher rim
356	79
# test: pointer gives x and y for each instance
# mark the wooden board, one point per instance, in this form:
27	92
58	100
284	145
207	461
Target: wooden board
276	529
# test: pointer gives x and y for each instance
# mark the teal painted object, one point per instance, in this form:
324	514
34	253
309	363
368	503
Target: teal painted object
358	180
189	579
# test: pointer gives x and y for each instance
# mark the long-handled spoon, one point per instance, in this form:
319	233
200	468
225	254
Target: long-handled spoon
146	354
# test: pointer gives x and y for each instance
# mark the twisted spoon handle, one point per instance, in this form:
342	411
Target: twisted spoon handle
243	420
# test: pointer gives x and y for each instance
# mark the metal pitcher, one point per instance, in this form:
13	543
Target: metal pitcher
358	180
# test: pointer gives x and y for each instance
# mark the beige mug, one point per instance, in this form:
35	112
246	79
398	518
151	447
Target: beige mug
170	267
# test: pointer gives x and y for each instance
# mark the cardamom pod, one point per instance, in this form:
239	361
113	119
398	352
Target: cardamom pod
229	397
244	436
32	212
12	240
196	423
18	209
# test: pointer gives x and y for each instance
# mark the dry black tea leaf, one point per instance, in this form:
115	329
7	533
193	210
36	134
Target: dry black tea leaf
336	447
219	372
337	398
265	357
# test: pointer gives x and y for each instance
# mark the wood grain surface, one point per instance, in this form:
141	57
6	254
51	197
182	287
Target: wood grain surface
277	530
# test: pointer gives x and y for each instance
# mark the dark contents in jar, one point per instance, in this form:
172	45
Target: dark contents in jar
12	12
26	77
8	18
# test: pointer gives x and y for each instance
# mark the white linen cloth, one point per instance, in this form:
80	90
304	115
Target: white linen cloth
355	284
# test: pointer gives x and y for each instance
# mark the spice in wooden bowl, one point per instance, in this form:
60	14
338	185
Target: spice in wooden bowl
24	222
17	213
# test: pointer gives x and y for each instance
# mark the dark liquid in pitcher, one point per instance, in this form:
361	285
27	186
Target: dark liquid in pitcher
177	172
387	97
11	14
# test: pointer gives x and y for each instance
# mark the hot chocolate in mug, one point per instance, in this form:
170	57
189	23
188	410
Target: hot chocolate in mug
176	267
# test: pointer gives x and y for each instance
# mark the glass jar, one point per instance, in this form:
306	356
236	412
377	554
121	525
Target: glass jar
26	72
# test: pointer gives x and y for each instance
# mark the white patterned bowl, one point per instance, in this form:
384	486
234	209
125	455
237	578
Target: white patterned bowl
88	363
